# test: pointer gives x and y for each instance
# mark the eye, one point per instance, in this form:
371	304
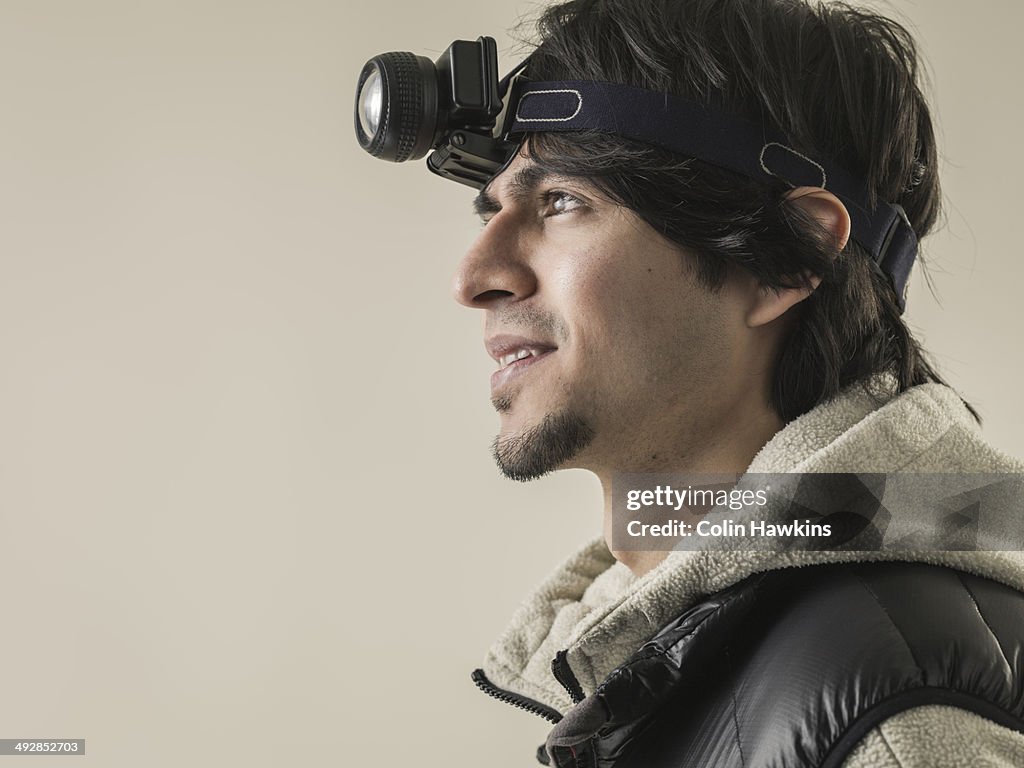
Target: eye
558	202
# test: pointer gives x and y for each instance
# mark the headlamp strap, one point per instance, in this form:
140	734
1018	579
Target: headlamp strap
728	141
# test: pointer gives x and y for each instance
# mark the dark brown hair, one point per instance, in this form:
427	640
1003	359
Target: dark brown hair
840	82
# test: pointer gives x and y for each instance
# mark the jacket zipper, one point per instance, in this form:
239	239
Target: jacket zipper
516	700
563	674
583	755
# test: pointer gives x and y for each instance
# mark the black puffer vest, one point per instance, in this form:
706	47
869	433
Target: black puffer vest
794	667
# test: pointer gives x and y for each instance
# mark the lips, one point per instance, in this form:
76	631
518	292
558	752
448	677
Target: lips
515	355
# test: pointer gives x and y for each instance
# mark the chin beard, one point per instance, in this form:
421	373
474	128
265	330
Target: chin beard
543	448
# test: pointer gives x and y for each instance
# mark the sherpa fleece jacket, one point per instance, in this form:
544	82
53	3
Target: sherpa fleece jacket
593	614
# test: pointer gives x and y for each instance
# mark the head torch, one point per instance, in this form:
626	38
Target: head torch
407	105
471	122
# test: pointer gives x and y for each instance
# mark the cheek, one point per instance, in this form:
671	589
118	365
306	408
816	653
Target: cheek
625	318
598	298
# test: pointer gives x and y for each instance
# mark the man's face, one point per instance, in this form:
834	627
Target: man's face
611	356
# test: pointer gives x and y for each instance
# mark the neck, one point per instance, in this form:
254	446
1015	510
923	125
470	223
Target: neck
731	456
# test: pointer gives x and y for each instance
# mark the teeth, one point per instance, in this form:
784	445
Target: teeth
506	360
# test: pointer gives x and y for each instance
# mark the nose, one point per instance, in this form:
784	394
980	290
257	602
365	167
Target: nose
496	267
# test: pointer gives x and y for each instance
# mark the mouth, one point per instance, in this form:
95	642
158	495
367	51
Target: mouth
512	369
512	358
515	356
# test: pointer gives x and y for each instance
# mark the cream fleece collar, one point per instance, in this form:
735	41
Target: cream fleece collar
596	610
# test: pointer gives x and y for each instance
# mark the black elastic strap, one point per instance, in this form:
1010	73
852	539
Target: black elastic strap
728	141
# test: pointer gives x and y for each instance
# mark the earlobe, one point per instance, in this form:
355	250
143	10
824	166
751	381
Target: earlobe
773	303
829	211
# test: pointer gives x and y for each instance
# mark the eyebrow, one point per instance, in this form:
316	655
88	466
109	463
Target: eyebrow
523	184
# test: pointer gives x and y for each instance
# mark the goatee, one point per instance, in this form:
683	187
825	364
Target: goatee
543	448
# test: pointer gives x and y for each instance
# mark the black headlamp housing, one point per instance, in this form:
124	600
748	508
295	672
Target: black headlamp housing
407	105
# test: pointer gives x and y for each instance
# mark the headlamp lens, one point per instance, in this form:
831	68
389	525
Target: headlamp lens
371	102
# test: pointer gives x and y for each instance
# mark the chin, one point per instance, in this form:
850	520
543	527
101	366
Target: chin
555	442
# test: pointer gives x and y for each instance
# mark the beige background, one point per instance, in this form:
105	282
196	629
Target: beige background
247	510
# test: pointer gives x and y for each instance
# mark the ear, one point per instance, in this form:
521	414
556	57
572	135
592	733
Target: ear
829	211
826	208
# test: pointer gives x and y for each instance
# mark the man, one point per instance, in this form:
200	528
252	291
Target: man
650	312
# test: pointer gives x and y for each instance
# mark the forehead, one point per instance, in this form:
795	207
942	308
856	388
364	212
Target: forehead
518	164
520	174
